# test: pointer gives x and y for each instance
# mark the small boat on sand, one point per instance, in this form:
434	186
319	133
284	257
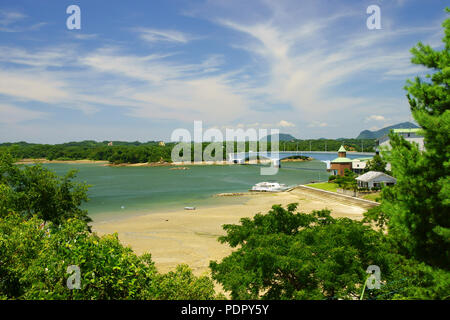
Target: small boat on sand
189	208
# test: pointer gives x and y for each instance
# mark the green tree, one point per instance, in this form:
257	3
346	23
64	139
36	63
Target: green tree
35	190
417	207
377	163
181	284
34	258
288	255
347	181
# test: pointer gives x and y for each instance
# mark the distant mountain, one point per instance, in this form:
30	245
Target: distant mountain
281	137
367	134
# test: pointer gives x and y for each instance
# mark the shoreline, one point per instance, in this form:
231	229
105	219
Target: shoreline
198	163
190	236
106	163
43	160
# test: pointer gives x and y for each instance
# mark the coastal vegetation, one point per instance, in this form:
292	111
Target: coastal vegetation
377	163
416	210
43	231
289	255
154	152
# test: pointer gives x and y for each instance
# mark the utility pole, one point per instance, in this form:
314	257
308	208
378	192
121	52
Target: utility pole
309	145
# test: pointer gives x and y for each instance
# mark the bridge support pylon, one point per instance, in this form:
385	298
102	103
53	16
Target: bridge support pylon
276	163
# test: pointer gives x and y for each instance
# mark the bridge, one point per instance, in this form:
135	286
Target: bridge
276	157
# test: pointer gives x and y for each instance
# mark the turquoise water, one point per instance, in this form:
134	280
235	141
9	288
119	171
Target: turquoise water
118	191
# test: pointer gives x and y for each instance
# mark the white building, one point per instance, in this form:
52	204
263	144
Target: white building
359	165
375	179
410	135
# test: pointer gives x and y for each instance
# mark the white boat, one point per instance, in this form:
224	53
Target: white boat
269	187
189	208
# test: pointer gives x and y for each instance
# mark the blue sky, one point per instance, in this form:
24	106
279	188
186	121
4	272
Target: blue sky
137	70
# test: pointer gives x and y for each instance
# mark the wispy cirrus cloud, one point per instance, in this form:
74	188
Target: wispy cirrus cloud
9	17
157	35
9	22
85	36
45	57
10	114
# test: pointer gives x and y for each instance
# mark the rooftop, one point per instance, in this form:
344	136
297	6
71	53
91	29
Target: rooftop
341	160
362	159
411	130
342	149
369	176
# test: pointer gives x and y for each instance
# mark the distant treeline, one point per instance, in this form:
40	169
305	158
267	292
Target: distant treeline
153	151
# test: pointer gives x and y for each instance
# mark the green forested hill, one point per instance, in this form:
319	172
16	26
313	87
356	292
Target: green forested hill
367	134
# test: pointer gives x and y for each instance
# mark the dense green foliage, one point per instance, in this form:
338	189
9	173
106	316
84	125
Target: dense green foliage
288	255
36	191
377	163
120	152
417	208
366	145
347	181
34	258
43	231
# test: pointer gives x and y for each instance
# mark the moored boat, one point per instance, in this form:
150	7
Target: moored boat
269	187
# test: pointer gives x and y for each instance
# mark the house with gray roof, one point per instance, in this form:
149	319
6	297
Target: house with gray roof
375	179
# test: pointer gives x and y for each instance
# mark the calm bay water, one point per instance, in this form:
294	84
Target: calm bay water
118	191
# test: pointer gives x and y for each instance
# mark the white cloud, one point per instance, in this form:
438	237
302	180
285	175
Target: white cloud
155	35
50	57
375	117
10	114
9	20
307	63
285	124
10	17
32	86
85	36
153	68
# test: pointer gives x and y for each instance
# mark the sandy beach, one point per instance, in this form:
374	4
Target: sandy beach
190	236
43	160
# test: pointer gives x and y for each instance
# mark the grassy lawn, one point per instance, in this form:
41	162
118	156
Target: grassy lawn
324	186
372	196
